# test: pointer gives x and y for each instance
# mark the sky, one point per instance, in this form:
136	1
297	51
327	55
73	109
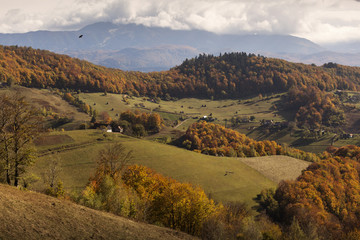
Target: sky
321	21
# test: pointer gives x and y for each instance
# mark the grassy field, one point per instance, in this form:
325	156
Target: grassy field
78	164
187	108
277	168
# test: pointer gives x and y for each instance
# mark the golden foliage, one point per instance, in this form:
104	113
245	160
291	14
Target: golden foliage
230	75
215	139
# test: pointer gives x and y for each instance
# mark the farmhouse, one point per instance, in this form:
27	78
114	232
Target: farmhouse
267	122
207	118
347	136
108	128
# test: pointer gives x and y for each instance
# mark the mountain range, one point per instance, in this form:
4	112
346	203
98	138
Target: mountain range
137	47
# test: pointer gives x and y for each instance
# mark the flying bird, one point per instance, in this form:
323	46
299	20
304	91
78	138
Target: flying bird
81	36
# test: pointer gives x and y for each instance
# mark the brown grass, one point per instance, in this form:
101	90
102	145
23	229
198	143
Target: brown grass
30	215
53	140
277	168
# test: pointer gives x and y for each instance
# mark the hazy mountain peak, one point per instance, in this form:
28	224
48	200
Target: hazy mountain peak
112	38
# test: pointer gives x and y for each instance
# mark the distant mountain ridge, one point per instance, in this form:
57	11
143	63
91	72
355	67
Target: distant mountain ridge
109	36
139	59
137	47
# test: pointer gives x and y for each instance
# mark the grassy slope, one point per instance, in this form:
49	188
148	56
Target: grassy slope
41	98
183	165
29	215
277	168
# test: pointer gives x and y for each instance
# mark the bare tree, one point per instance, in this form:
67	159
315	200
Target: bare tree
52	171
5	118
19	125
112	160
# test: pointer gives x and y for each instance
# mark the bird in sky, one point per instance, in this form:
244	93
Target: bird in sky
81	36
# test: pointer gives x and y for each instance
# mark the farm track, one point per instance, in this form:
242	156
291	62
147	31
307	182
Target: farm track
65	148
180	124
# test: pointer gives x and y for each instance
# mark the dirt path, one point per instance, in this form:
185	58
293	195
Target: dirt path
65	148
180	123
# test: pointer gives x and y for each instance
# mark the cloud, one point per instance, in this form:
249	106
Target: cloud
221	16
321	21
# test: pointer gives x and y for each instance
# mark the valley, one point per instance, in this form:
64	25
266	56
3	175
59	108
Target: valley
213	120
77	149
227	133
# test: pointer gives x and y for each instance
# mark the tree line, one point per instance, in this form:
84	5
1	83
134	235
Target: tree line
230	75
138	124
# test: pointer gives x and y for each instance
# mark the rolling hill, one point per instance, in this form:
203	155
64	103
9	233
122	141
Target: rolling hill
30	215
233	75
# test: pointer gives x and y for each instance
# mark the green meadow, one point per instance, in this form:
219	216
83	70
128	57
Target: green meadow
78	164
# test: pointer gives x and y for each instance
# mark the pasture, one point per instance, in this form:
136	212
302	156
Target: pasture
187	108
78	160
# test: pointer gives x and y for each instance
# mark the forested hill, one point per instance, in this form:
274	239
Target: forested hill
234	74
230	75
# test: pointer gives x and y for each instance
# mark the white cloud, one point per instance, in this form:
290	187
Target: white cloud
317	20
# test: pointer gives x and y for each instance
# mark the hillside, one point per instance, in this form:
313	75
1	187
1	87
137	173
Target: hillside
30	215
234	75
78	151
59	113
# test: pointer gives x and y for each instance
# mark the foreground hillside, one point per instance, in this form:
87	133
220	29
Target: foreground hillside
29	215
231	75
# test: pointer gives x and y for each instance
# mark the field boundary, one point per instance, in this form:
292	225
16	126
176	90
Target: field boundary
65	148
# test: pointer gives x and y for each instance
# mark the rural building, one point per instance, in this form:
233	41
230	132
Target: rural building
108	128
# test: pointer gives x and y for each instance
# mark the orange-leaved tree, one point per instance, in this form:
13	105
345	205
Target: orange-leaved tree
176	205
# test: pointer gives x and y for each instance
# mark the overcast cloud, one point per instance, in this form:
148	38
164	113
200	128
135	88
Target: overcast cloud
321	21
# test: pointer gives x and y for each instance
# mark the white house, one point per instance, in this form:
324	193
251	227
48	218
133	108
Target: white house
108	128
